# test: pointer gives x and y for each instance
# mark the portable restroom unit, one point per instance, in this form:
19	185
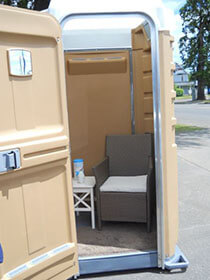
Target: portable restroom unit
118	81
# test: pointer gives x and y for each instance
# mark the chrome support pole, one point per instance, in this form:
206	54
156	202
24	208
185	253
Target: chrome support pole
132	93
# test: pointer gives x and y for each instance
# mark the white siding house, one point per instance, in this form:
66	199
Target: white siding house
181	79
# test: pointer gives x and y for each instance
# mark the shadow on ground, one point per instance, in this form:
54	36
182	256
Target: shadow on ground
188	139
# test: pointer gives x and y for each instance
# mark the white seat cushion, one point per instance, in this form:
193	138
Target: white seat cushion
125	184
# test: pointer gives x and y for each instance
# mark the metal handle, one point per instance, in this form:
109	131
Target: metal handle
9	160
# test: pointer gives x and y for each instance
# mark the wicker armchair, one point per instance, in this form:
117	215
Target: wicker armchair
125	180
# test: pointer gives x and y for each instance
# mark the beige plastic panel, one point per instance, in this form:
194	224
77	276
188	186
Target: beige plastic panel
98	102
144	119
96	65
36	203
142	78
169	148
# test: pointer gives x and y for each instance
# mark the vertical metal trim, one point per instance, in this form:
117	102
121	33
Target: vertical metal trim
132	93
158	144
157	120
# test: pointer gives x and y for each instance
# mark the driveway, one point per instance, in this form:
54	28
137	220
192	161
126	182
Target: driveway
194	200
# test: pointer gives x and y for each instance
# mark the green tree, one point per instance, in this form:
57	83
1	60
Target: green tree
194	45
27	4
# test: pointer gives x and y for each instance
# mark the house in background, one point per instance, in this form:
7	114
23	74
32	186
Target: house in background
181	79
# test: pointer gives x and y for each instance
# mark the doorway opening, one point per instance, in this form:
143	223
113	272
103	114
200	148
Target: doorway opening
110	95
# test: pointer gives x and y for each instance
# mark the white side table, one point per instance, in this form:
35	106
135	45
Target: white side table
81	191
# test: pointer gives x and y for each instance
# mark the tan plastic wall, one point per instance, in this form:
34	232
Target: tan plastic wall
142	79
144	120
169	148
36	201
98	90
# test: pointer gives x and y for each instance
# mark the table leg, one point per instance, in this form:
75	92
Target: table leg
92	209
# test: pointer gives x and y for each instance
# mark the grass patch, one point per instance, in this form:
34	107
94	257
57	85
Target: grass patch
184	97
206	101
187	128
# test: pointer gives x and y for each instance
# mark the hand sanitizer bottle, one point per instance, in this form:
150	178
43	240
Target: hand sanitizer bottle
81	177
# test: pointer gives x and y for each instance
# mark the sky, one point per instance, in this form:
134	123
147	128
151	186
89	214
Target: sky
175	23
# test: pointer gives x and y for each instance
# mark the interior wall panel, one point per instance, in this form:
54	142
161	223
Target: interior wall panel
98	102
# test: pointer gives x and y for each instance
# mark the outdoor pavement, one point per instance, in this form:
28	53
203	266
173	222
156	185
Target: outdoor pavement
193	114
194	200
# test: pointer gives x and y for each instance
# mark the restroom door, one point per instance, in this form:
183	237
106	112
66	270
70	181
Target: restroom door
37	225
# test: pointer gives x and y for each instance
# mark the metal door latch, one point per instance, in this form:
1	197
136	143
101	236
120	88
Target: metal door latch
9	160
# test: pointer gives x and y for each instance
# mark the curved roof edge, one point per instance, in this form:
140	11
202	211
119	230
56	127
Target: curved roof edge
154	8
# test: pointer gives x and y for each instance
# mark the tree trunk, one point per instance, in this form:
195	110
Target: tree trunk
200	68
201	95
